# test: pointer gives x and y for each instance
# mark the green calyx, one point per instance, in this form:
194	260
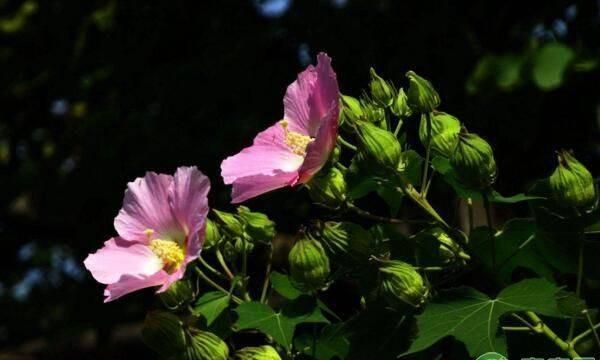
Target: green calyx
572	185
309	264
379	145
352	110
257	225
422	97
402	284
381	91
177	295
473	160
230	223
212	235
328	187
264	352
163	332
444	132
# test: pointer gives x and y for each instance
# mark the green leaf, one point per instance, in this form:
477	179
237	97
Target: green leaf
211	305
550	64
473	318
280	325
412	165
515	247
392	197
283	285
328	343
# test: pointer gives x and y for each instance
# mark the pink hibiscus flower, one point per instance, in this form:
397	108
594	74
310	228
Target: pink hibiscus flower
161	229
294	149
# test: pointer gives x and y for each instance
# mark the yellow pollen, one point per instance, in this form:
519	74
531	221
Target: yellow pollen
296	141
149	232
169	252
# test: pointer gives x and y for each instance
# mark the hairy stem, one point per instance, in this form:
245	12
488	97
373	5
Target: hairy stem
346	143
265	287
427	155
488	216
223	264
217	286
212	270
589	331
368	215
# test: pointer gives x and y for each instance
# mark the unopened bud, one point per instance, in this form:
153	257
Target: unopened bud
328	187
346	241
212	235
400	106
571	183
309	264
264	352
402	284
381	91
351	109
379	145
473	160
422	97
205	345
444	132
163	332
258	225
177	295
231	223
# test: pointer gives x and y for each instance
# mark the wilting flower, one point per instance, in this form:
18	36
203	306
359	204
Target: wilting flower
292	150
161	229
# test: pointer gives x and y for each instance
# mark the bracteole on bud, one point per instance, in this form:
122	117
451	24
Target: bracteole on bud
379	145
309	264
381	91
401	283
328	187
264	352
422	96
444	132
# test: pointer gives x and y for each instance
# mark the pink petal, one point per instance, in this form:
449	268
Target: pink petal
128	284
318	151
118	258
249	187
188	198
311	97
272	136
258	160
146	206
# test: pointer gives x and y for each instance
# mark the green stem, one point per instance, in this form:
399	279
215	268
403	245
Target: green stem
578	286
471	217
217	286
265	287
592	327
368	215
212	269
488	216
223	264
398	127
584	334
427	155
244	280
542	328
346	143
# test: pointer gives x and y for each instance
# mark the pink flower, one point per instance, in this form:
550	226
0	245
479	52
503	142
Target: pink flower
294	149
161	229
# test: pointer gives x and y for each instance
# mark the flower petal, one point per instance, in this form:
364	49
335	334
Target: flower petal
118	258
128	284
146	206
318	151
251	186
259	159
310	98
188	198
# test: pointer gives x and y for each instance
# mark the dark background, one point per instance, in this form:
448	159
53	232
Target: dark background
94	93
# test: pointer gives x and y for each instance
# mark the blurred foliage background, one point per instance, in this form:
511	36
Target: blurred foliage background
95	93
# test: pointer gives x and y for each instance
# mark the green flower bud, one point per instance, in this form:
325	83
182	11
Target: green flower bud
258	225
422	97
231	223
205	345
177	295
400	106
328	187
351	109
402	284
345	240
473	161
373	113
309	264
449	250
212	235
444	132
264	352
571	183
381	90
163	332
379	145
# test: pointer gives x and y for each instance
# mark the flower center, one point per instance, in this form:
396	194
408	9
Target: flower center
169	252
296	141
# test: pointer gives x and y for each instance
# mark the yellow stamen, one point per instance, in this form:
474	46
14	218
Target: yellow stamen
169	252
149	232
296	141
